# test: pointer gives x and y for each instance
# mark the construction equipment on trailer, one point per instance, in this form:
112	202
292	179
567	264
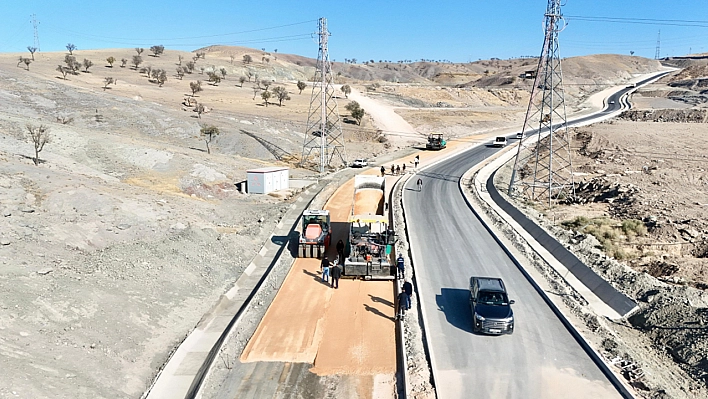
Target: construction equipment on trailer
435	142
370	242
316	233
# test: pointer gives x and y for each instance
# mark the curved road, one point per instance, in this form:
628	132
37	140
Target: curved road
449	244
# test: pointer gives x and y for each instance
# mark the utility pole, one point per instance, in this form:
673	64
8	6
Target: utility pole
323	133
658	46
36	32
543	168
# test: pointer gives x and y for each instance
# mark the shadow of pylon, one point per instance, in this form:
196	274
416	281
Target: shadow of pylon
274	149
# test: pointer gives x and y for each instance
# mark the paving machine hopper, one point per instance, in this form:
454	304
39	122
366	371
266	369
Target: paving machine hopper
370	241
316	233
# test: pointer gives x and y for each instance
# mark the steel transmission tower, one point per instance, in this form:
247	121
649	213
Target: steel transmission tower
657	55
543	168
323	134
36	33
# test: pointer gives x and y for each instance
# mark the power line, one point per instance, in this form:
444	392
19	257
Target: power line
641	21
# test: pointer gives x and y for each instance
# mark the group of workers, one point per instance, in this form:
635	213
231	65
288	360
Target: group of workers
332	272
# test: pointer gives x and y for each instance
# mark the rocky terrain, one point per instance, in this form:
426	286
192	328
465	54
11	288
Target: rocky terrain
127	230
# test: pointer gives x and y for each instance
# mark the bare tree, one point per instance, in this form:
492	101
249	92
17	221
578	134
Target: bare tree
107	81
87	64
266	96
147	71
157	50
223	73
301	85
346	90
201	55
110	60
123	62
241	80
208	133
256	90
196	87
137	60
180	58
190	66
180	72
139	50
199	109
232	56
63	70
281	94
249	75
32	50
247	59
71	47
39	136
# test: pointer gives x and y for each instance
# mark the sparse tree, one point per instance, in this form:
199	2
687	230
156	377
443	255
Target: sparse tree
356	111
346	90
139	50
249	75
39	136
256	90
87	64
190	67
201	70
180	72
281	94
199	110
26	61
241	80
63	70
180	58
208	133
631	53
232	57
266	83
247	59
201	55
32	50
213	77
137	60
110	60
301	85
147	71
265	96
196	87
71	47
223	73
160	76
123	62
71	63
157	50
107	81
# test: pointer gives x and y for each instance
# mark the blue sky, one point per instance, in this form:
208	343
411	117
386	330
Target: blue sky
455	30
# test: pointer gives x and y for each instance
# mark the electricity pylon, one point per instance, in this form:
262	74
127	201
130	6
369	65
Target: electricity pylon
323	134
543	168
36	33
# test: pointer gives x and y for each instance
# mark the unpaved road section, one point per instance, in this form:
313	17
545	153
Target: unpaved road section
345	336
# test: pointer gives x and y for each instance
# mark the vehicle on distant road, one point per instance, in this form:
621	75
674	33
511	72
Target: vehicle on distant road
519	135
499	141
491	307
612	102
360	163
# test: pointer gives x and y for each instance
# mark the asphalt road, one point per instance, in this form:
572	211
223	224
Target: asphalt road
449	244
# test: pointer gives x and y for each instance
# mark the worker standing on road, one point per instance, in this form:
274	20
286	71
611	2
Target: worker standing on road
398	169
340	250
336	274
419	183
383	171
325	269
416	161
401	266
393	169
408	289
401	305
404	169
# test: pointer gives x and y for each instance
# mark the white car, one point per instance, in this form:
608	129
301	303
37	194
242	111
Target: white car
499	141
360	163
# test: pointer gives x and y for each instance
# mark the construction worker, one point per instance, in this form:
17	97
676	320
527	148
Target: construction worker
416	161
401	305
401	266
408	289
340	251
404	169
324	266
398	169
336	274
419	183
383	171
393	169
